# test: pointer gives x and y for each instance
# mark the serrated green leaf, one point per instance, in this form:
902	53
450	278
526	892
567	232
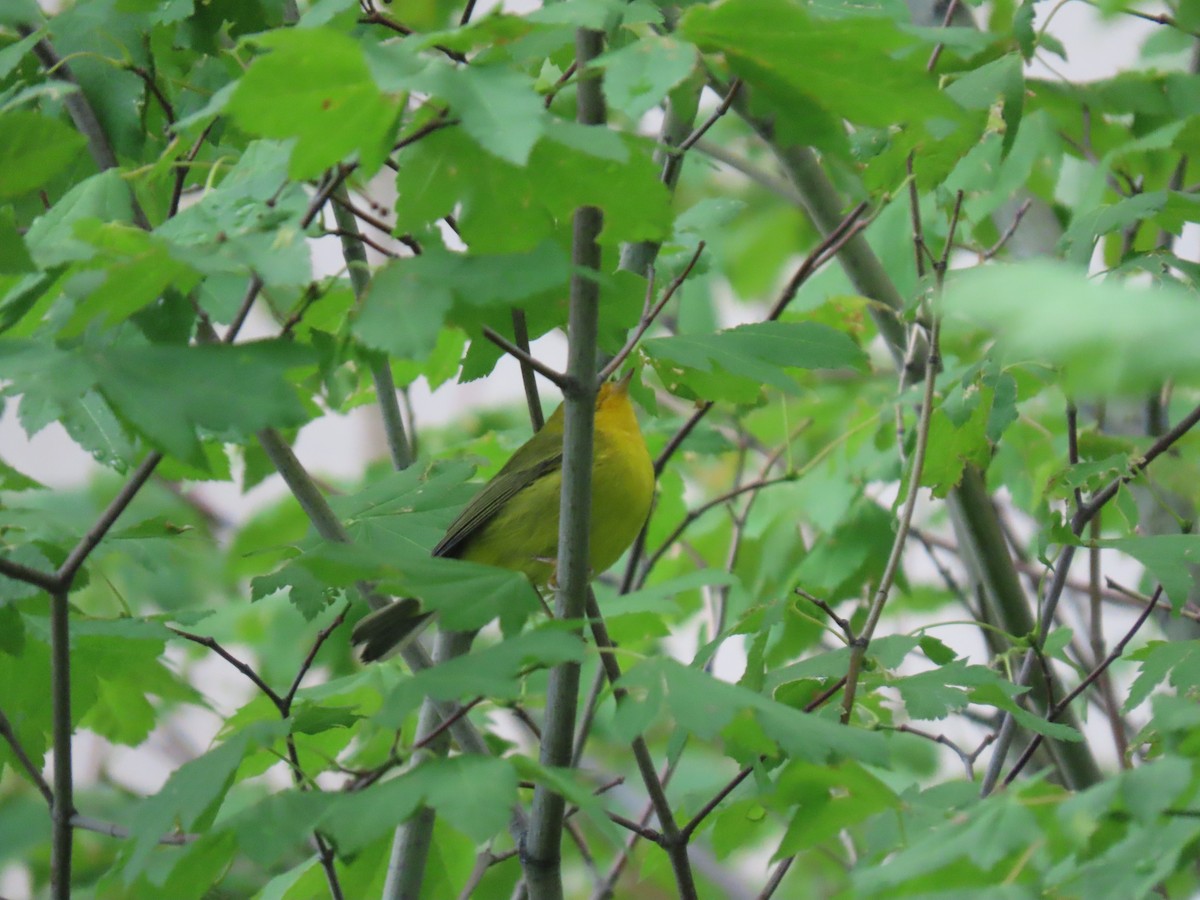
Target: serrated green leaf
736	363
1167	557
1097	332
498	107
314	85
33	149
639	75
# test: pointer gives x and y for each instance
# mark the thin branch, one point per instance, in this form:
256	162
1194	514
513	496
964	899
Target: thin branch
322	636
648	319
606	887
112	829
649	834
247	670
820	604
253	289
1157	449
892	568
357	236
63	807
968	759
1057	709
951	9
447	723
181	169
845	231
1006	236
21	572
914	211
374	17
694	514
730	95
381	371
525	358
363	216
153	88
443	120
1062	567
532	400
10	735
776	878
674	841
690	828
563	80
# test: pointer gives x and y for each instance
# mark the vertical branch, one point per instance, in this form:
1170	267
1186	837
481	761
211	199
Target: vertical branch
63	806
532	400
413	839
858	649
541	853
381	371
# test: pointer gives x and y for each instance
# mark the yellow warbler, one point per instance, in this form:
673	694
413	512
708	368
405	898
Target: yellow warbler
513	521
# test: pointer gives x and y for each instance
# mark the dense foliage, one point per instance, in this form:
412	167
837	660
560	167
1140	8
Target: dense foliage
914	340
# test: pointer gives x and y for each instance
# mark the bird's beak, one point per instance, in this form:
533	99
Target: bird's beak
622	383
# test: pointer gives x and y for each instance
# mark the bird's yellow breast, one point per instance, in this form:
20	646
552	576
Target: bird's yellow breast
523	535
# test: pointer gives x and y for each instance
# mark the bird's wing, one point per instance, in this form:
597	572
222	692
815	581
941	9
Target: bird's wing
517	474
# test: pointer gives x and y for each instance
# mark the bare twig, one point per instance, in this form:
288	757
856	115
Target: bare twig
951	9
776	878
730	95
10	736
532	400
525	358
673	840
112	829
820	604
1008	232
246	669
1100	669
62	809
968	759
698	512
320	639
648	319
892	568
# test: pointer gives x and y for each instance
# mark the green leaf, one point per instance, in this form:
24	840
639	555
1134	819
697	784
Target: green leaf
812	69
191	388
33	149
104	197
1098	332
1168	557
1080	237
831	798
192	795
703	706
314	85
138	270
953	446
483	810
639	75
1180	660
14	257
498	107
507	209
409	299
493	671
736	363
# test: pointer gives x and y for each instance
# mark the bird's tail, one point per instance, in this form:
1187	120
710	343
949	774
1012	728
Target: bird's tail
390	628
